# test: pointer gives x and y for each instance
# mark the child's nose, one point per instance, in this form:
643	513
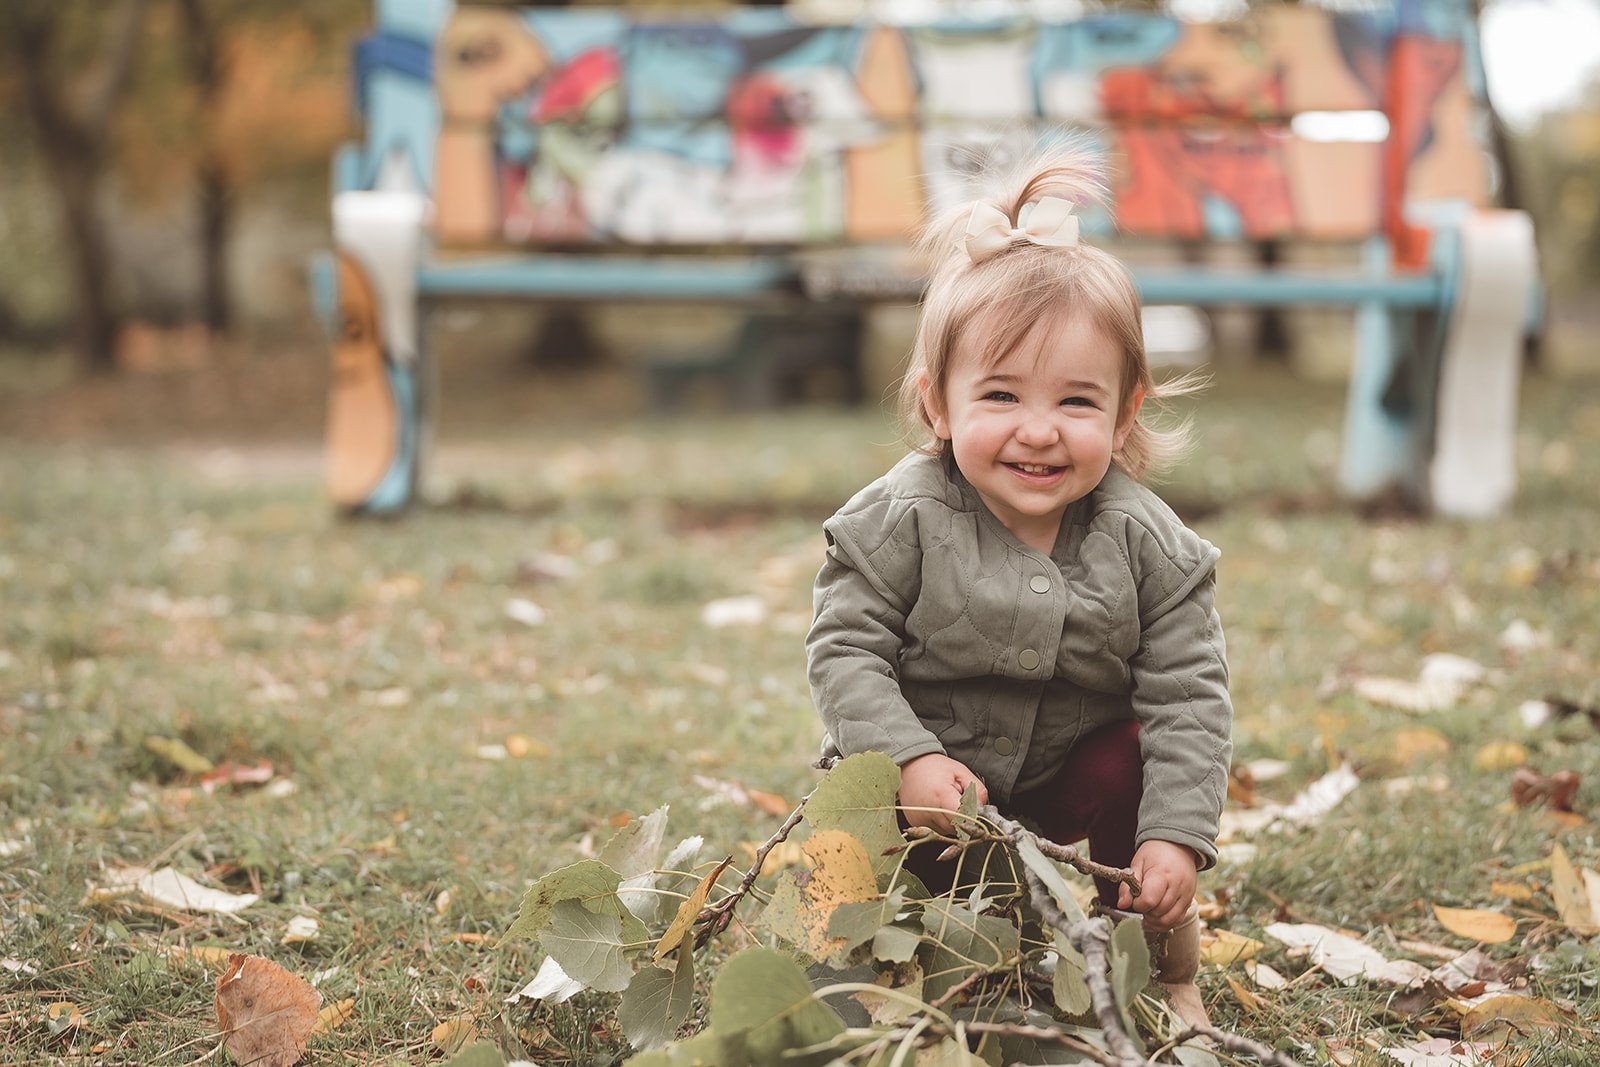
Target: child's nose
1038	429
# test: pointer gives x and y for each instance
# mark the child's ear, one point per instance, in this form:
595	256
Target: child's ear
933	404
1125	424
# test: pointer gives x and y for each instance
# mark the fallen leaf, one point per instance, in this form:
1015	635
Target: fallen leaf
1346	958
467	937
231	773
61	1016
1264	976
451	1034
213	956
1559	790
1247	1000
334	1015
264	1013
521	747
1320	797
176	752
1224	948
1477	924
1242	786
733	611
783	854
520	609
1570	894
1419	742
18	967
175	890
551	983
1442	1052
1506	1011
1511	891
301	929
1500	756
771	803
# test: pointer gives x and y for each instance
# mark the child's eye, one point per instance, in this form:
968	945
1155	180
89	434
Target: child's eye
1001	396
1078	401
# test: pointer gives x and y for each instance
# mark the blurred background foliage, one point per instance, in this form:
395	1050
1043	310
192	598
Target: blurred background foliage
165	163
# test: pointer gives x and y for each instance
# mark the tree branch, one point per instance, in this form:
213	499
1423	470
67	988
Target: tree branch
1238	1043
716	917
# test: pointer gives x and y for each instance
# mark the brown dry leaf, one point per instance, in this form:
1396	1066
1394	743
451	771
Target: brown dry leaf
1477	924
266	1015
334	1015
451	1034
1242	786
1224	947
1508	1011
1419	742
1559	790
468	937
1247	1000
771	803
1500	756
1511	891
1570	894
689	910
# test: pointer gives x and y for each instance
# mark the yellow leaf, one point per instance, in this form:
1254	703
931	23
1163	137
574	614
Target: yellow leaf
1531	867
1570	894
63	1015
179	754
1511	891
521	747
468	938
212	956
688	910
1500	756
1477	924
841	874
1225	947
1418	742
334	1015
1247	1000
451	1034
1523	1014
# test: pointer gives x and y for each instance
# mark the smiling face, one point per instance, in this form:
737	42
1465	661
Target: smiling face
1036	429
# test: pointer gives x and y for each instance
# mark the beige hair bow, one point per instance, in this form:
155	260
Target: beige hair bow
1048	222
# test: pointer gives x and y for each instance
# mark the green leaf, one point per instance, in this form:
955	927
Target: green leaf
858	923
1069	986
702	1050
586	880
636	848
478	1054
1050	874
1130	969
858	796
656	1003
763	997
588	946
1193	1056
176	752
962	943
895	944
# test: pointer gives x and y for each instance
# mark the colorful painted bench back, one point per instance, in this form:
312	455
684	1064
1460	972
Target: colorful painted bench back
587	126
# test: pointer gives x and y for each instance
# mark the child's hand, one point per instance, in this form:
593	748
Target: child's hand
1166	873
936	781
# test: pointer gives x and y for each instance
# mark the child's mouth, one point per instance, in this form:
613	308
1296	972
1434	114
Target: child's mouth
1036	470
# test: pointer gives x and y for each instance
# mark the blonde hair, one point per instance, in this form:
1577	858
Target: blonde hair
1010	293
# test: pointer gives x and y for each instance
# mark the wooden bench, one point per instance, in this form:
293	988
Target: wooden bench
749	157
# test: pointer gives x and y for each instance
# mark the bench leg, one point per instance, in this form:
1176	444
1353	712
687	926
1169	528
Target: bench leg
1380	440
376	402
1472	471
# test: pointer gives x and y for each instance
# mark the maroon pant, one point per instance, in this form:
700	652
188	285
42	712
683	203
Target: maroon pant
1094	795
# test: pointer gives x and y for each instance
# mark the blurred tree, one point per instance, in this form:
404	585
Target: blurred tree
74	59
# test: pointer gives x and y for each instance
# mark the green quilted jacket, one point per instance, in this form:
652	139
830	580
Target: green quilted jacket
936	630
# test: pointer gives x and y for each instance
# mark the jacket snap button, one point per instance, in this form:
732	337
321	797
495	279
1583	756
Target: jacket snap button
1039	584
1004	745
1028	658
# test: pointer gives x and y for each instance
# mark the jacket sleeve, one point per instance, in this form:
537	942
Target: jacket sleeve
853	653
1180	696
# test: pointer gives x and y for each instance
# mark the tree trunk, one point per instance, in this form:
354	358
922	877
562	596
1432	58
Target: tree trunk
213	187
73	143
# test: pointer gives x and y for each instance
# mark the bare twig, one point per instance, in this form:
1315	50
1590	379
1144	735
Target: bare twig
1238	1043
975	978
716	917
1064	853
1054	1037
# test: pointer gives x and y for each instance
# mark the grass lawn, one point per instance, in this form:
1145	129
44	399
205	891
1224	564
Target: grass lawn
204	591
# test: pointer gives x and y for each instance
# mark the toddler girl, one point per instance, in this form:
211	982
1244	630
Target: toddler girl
1008	607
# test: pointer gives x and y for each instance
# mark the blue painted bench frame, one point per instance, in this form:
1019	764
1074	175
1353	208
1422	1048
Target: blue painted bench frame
1404	318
